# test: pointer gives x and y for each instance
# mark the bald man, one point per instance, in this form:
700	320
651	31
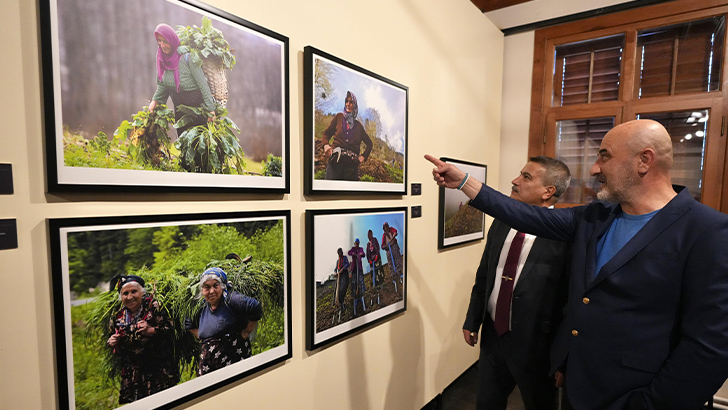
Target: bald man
646	323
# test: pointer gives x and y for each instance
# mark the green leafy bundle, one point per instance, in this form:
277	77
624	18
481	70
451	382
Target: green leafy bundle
179	295
213	147
205	42
273	166
146	135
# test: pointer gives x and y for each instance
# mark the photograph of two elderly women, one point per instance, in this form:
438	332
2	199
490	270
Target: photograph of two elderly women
155	309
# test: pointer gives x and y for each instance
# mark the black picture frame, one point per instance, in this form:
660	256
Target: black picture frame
73	241
459	223
99	74
382	111
385	293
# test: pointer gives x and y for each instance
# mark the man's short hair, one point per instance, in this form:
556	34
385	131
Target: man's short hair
557	173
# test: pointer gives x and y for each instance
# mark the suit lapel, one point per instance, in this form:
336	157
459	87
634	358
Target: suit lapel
536	250
591	251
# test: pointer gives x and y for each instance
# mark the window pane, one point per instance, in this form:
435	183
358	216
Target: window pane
689	131
587	71
680	59
577	144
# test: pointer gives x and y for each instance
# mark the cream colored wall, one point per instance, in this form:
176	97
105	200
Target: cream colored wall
516	106
450	57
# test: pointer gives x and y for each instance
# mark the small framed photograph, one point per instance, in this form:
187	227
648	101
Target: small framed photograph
162	96
152	311
356	271
460	223
355	128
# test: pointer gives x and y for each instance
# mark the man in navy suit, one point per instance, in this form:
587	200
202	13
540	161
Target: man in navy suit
520	355
646	325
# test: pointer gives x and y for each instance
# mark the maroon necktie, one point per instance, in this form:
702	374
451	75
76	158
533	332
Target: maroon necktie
503	304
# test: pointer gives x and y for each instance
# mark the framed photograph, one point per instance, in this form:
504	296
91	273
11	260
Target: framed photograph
458	222
162	95
356	270
355	128
152	311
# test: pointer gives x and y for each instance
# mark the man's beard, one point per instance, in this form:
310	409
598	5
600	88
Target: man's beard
624	181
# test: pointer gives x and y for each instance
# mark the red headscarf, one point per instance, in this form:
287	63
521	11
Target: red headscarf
168	61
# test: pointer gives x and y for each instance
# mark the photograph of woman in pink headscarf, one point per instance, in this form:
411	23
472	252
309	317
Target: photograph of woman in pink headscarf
356	127
175	90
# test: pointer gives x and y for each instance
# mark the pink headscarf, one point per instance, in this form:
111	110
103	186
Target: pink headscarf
171	61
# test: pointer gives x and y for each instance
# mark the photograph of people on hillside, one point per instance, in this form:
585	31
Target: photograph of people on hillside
172	96
356	127
149	306
357	273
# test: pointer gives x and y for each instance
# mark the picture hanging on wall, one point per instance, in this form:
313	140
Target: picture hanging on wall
355	128
356	270
460	223
162	95
153	311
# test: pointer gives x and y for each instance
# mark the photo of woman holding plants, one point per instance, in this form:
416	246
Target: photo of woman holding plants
210	98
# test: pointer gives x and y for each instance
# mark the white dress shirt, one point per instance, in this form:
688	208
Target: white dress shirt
525	250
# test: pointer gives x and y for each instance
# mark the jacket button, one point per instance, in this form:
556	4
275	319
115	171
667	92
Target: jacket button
586	301
574	332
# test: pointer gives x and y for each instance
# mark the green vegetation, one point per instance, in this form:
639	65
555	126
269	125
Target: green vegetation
143	144
204	42
146	135
171	268
273	166
213	147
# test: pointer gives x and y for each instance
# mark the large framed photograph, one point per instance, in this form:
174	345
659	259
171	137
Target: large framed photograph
460	223
162	95
152	311
356	271
355	128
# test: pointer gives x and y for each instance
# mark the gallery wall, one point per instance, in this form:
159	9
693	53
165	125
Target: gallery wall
451	58
516	106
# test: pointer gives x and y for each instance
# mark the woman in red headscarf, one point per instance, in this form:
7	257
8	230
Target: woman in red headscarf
179	78
344	151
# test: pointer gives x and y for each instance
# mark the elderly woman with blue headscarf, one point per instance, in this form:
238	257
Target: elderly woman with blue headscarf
225	323
344	149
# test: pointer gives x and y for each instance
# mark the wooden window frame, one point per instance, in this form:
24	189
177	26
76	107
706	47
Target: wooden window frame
543	114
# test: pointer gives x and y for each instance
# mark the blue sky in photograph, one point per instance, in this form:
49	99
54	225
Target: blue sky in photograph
389	101
340	230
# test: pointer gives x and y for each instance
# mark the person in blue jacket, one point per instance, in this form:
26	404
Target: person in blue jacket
225	323
646	323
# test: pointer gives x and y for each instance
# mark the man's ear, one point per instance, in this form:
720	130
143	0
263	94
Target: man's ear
549	193
646	160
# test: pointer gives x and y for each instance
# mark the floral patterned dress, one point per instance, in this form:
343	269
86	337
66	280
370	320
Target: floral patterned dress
219	332
147	362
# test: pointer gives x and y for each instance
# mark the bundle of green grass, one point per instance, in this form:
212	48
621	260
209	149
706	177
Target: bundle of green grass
178	293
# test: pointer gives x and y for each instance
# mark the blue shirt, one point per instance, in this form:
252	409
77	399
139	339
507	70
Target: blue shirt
229	317
622	229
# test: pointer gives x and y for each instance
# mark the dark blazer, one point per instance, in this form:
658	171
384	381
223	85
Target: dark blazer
538	298
651	330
